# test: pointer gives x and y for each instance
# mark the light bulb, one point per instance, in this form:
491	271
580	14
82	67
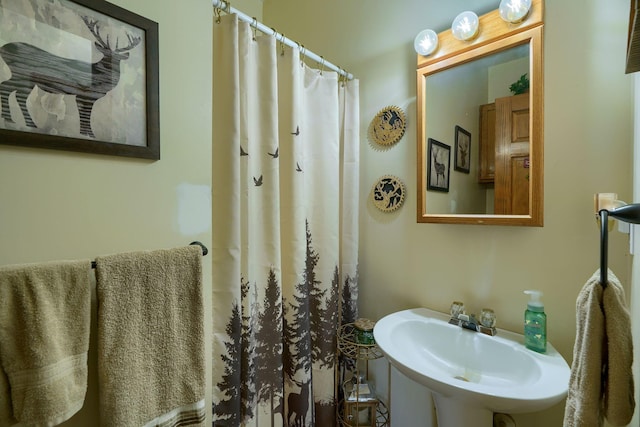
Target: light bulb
465	26
514	11
426	42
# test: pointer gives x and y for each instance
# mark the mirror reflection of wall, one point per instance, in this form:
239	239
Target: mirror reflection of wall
453	98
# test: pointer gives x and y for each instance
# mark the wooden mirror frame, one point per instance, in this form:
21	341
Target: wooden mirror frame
495	35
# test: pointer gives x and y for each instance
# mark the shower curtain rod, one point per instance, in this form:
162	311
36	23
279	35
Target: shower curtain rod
225	6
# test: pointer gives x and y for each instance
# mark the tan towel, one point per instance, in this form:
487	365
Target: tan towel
44	339
601	382
6	408
619	401
151	338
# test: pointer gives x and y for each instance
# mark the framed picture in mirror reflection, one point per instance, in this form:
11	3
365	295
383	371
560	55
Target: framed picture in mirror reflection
463	150
438	166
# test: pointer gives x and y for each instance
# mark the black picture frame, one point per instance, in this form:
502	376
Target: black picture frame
439	164
88	46
462	161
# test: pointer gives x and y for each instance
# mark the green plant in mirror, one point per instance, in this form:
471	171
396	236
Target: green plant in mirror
520	86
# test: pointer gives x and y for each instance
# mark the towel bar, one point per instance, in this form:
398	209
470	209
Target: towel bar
205	251
627	213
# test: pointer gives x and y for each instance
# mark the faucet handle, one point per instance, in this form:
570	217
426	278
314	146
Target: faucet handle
488	318
457	308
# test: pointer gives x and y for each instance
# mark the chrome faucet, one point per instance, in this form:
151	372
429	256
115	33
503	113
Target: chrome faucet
486	325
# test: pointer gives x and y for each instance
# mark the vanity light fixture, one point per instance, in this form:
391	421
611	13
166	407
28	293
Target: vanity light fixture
426	42
465	26
514	11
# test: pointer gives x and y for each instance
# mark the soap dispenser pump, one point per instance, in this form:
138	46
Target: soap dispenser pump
535	323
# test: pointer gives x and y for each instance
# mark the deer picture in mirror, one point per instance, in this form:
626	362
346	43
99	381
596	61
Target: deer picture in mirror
491	86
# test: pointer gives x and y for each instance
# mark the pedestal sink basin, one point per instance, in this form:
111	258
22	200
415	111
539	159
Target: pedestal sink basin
471	375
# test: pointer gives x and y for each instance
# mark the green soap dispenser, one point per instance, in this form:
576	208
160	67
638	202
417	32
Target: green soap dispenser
535	323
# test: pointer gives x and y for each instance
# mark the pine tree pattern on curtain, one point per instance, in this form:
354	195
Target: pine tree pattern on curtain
284	252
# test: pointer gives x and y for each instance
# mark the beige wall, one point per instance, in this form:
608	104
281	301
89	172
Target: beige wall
62	205
588	148
251	8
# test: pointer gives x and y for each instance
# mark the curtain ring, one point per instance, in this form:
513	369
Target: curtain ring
254	26
275	35
321	65
227	6
218	13
302	55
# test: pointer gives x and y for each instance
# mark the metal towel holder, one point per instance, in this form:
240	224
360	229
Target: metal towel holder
205	251
627	213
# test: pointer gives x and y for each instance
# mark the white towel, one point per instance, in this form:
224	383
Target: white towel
44	339
601	382
151	338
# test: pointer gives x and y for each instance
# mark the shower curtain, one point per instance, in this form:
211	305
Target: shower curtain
285	234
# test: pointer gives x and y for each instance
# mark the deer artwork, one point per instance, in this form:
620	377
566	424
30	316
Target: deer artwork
280	408
88	82
298	404
463	151
439	167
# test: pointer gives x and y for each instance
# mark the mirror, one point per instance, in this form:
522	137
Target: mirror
480	146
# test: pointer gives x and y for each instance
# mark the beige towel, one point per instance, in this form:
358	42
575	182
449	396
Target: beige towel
619	401
44	339
151	338
6	408
601	382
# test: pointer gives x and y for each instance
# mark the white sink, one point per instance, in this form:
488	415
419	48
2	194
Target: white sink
471	374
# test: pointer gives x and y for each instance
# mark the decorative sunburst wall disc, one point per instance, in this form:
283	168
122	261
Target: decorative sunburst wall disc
388	126
388	193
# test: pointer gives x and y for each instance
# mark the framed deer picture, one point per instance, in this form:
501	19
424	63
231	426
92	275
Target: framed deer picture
79	75
438	166
463	150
